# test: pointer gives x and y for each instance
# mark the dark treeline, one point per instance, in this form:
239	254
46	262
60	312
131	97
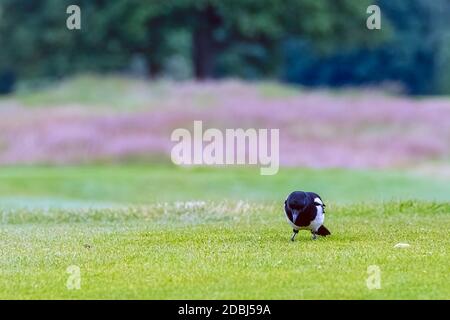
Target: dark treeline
310	42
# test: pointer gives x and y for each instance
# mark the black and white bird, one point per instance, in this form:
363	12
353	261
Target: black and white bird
306	211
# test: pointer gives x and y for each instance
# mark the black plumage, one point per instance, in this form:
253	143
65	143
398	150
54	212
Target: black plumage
305	210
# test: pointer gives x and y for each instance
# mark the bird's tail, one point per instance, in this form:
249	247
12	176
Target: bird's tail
322	231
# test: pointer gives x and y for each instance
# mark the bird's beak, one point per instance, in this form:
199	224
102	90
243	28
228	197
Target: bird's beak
295	214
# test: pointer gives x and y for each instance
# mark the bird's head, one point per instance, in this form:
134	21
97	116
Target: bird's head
297	202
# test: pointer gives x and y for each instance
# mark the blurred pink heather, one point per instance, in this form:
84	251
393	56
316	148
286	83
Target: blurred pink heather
317	128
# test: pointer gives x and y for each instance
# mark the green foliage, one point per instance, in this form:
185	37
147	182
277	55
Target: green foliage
113	32
415	55
307	41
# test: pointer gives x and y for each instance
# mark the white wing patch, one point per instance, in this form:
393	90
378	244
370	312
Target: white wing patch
317	200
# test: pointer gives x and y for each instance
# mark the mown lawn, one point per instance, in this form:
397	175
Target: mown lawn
167	233
108	185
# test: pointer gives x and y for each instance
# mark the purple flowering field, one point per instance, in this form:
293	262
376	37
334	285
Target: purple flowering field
364	129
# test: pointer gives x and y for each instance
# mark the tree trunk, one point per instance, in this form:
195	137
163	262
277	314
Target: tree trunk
204	46
154	48
154	68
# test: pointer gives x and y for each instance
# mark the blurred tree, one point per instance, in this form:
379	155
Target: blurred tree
7	81
251	31
36	42
311	42
416	55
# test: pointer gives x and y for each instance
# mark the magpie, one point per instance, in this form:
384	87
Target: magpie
306	211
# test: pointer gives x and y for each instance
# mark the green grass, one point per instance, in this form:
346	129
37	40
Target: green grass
113	92
147	184
145	241
273	90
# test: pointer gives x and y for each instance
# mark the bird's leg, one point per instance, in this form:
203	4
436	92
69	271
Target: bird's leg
314	235
294	234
